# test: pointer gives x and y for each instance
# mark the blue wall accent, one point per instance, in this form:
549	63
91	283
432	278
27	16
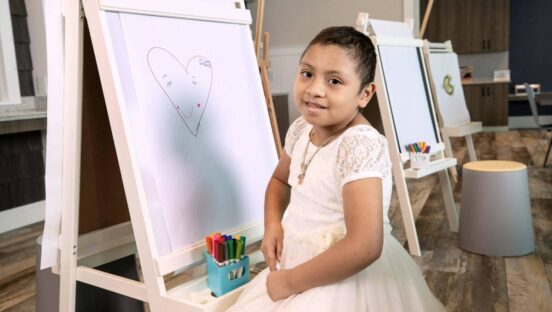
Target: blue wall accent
531	42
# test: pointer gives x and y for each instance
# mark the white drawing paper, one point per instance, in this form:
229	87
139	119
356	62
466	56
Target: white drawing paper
452	104
408	95
198	122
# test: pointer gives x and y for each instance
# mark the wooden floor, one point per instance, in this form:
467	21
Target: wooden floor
463	281
468	282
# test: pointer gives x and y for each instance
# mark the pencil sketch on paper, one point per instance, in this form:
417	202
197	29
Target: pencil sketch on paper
187	87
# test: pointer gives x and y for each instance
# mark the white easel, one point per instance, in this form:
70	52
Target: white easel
439	164
107	244
456	110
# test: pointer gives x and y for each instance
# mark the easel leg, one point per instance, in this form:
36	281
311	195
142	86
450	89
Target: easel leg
471	148
407	215
72	110
271	110
448	197
448	153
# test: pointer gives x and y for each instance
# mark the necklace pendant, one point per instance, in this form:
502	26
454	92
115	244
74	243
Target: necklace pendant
301	177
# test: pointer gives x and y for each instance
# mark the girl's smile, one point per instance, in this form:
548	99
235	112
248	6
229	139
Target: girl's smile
314	107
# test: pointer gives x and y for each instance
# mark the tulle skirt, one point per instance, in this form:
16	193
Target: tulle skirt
392	283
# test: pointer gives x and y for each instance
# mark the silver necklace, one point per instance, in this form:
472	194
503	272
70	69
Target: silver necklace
305	163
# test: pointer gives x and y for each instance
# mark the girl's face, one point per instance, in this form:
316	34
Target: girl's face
327	87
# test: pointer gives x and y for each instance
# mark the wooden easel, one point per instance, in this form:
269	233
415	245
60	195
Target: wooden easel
426	19
467	127
439	163
107	234
264	64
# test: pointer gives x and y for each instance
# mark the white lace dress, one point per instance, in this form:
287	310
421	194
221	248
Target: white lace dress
314	220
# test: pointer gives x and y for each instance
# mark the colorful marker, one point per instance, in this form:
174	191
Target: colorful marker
239	249
209	243
242	238
231	249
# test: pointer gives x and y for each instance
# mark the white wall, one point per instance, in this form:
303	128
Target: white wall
296	22
293	23
412	10
484	64
35	21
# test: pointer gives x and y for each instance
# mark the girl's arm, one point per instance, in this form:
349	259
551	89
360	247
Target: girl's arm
276	201
362	245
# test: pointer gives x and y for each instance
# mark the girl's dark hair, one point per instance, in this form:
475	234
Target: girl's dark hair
358	45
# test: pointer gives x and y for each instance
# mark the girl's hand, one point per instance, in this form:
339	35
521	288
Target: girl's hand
277	285
272	244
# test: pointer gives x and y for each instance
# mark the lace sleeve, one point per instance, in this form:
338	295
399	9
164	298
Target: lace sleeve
363	154
293	134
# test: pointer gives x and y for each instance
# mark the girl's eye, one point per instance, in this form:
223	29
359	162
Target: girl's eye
306	74
334	81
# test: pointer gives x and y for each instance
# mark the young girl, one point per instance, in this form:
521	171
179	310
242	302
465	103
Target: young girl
332	249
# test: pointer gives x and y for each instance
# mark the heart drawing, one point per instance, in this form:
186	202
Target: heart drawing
187	87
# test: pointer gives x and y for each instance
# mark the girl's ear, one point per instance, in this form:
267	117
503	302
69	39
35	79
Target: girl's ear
366	94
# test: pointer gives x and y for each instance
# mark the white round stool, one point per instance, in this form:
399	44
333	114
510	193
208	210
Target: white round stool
495	214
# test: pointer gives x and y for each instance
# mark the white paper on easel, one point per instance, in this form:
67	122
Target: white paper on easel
389	29
54	140
409	96
197	120
445	74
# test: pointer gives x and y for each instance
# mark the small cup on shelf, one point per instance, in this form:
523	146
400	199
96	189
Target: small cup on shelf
222	279
419	160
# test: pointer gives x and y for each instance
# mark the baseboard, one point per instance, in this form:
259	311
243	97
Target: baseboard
495	129
21	216
524	122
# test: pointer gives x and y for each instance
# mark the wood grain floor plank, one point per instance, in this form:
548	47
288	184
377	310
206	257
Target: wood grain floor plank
447	257
540	183
528	285
455	292
535	141
435	280
510	139
17	292
28	305
424	261
477	291
542	208
499	285
548	269
10	249
18	253
485	287
17	264
21	235
419	192
485	149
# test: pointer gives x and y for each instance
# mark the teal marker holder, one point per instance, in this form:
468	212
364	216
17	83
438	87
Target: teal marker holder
220	279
